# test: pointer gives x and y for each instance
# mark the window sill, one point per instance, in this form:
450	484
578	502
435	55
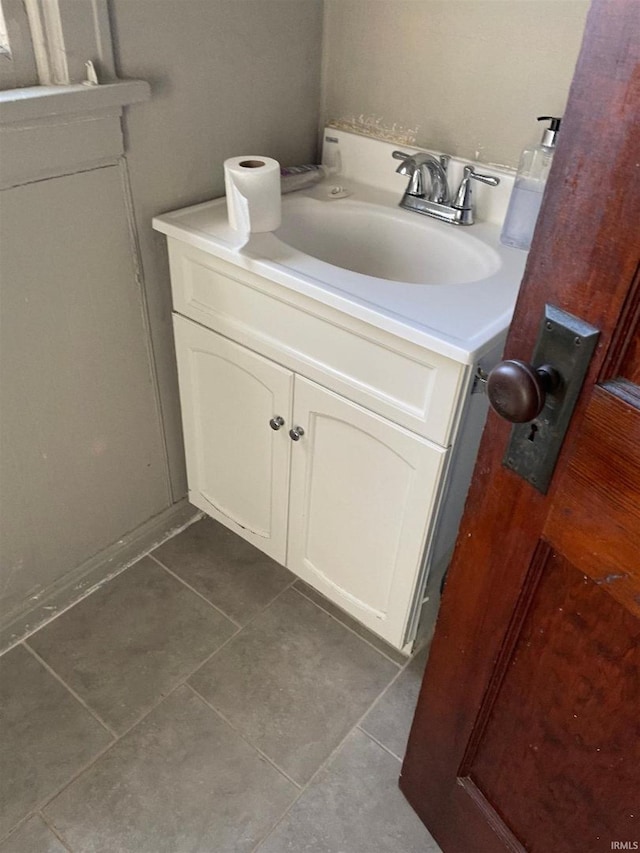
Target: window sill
45	102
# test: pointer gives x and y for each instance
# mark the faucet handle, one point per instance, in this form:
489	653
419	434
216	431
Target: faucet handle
478	176
400	155
463	200
463	196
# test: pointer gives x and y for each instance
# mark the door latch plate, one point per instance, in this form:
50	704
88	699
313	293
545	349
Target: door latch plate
567	343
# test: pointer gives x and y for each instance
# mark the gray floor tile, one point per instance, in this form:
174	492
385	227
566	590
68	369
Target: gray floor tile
181	781
294	682
351	623
34	836
46	736
226	570
353	806
389	721
128	644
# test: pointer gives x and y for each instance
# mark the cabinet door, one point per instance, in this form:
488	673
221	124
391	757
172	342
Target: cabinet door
363	494
237	464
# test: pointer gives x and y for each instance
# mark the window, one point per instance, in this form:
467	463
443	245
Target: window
48	42
17	59
45	46
4	36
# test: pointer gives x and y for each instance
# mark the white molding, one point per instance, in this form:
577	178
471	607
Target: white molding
48	41
67	33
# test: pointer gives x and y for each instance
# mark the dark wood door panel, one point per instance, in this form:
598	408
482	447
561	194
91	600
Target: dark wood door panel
623	357
559	753
605	453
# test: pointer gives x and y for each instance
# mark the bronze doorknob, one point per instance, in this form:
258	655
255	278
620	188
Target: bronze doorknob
517	390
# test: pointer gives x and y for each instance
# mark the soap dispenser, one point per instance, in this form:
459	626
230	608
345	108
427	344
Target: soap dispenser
526	197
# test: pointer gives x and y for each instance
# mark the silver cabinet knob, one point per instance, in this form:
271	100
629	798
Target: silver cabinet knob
296	433
276	422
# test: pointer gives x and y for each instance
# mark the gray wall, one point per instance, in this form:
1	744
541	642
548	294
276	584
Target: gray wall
472	75
90	438
82	460
229	78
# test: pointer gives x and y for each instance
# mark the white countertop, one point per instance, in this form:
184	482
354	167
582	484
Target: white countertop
460	321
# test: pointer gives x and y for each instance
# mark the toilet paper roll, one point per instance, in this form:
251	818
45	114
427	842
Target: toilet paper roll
253	193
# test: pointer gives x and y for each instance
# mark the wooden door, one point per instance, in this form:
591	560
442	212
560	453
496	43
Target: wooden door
237	464
363	493
527	731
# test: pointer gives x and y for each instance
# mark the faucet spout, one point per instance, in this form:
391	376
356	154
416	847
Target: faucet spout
425	170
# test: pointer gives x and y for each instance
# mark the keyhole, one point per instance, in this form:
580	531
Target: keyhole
532	432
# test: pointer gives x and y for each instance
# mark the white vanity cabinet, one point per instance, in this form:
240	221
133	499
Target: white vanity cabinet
350	503
340	495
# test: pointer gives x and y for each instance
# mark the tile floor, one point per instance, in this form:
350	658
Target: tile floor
204	701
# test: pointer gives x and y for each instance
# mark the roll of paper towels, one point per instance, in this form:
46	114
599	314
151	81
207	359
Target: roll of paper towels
253	193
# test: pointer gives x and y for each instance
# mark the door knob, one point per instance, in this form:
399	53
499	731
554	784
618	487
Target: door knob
296	433
276	422
517	390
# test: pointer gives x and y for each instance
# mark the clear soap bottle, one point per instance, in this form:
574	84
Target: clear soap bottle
526	197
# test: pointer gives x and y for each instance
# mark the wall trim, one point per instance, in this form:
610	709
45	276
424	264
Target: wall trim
33	103
90	575
48	131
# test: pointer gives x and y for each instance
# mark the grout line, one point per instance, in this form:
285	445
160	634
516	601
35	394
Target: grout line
355	633
233	636
182	682
19	826
75	695
16	827
37	809
241	628
328	760
245	738
379	743
102	752
195	591
53	830
99	584
382	694
184	679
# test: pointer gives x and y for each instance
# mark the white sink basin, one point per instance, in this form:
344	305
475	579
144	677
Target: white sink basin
391	244
449	288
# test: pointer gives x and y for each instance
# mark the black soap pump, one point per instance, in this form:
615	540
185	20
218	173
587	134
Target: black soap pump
529	185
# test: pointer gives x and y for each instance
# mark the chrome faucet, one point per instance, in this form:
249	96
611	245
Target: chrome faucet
422	168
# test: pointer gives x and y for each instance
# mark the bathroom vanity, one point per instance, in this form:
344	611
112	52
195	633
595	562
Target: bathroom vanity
329	413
